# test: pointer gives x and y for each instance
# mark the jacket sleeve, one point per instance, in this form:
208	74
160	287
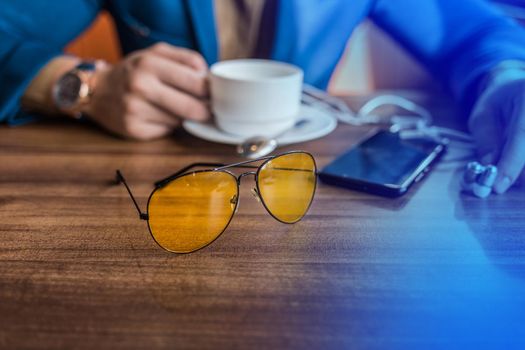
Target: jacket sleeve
458	41
31	33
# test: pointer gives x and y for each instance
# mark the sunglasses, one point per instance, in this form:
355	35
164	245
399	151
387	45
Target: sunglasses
190	209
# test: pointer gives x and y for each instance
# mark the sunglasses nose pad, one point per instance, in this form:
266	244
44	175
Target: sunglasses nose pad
233	201
255	194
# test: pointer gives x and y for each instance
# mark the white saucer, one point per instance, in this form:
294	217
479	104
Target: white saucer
318	123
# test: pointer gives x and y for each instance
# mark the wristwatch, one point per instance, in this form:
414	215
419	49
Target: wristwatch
74	89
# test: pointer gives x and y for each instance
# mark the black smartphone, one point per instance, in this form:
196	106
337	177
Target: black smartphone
383	164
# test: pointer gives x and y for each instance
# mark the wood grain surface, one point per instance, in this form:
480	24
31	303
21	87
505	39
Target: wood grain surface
78	269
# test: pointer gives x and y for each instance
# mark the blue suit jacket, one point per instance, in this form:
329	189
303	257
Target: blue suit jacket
458	40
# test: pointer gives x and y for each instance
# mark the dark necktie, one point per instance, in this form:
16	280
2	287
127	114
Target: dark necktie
266	36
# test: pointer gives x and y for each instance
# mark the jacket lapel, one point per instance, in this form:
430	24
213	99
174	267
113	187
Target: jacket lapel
202	16
285	31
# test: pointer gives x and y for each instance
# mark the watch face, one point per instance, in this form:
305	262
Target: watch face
67	89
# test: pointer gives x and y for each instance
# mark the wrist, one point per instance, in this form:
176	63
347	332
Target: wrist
505	72
38	97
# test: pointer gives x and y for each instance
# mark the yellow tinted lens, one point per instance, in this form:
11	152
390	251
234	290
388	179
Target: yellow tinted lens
287	185
192	210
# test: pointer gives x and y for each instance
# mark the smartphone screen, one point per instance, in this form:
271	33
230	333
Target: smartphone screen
383	164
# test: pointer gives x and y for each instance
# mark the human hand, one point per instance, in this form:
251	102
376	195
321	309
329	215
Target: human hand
497	124
147	94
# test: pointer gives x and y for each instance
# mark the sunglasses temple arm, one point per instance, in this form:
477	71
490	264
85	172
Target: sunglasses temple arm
122	180
183	170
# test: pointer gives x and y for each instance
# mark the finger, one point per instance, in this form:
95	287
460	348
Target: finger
512	159
171	72
138	129
149	113
182	77
174	101
488	158
182	55
150	131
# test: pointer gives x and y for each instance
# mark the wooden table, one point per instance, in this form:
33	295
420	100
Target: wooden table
78	269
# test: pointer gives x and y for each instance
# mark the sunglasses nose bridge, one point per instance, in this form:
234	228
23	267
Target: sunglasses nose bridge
254	190
239	178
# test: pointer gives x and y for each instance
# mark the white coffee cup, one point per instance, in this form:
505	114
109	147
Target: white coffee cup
252	97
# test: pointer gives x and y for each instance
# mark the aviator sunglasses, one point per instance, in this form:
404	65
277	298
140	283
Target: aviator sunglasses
188	210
